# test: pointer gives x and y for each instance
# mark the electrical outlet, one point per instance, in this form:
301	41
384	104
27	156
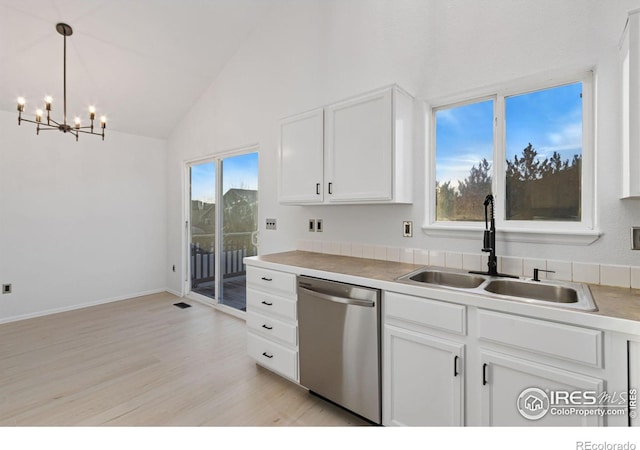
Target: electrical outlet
319	225
635	238
271	224
312	225
6	288
407	228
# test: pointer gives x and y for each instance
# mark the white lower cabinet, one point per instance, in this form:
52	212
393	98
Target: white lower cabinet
518	392
423	379
272	325
423	361
450	364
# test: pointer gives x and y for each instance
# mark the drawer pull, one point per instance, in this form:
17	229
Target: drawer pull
267	355
484	374
267	279
264	302
267	327
455	365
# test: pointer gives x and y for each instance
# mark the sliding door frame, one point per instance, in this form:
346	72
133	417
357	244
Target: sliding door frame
216	158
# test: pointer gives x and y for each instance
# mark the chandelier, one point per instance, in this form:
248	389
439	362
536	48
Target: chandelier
50	124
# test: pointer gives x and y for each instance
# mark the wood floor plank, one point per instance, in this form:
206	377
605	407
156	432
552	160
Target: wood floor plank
145	362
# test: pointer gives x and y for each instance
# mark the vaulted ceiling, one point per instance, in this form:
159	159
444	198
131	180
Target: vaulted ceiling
142	63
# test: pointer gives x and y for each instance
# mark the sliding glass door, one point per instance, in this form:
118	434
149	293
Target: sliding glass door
223	198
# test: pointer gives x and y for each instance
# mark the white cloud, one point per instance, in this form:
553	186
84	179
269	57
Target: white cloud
568	138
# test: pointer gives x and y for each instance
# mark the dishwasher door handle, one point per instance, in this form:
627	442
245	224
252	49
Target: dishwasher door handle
333	298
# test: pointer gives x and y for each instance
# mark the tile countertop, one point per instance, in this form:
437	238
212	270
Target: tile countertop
618	308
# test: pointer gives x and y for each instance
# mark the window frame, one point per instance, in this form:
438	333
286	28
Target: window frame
583	232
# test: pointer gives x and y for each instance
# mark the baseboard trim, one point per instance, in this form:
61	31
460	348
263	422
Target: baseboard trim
49	312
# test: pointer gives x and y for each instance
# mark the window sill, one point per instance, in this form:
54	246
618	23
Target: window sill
564	237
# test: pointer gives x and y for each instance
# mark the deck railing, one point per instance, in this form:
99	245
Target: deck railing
203	261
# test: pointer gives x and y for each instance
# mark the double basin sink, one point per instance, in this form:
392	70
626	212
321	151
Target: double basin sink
549	293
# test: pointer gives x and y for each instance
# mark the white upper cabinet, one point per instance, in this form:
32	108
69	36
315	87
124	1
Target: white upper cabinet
301	158
355	151
630	61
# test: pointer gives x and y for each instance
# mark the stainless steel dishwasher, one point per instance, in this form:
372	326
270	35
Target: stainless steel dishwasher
339	342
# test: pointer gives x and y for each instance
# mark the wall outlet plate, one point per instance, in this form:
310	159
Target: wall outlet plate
271	224
635	238
319	225
407	228
312	225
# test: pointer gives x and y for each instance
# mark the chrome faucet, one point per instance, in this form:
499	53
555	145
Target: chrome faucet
489	241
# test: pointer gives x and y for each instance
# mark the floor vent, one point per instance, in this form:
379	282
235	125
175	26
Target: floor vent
182	305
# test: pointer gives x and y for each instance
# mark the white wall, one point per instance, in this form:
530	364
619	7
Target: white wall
80	222
311	53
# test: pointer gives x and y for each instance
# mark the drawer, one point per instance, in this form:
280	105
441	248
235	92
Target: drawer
272	328
271	280
429	313
567	342
273	356
271	304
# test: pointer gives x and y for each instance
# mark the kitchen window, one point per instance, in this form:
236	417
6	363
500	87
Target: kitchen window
532	148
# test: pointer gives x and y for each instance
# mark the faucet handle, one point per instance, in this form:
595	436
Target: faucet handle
486	241
536	271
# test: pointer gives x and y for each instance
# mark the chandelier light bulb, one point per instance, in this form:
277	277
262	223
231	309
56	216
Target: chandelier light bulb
38	115
77	123
103	121
92	112
21	102
47	102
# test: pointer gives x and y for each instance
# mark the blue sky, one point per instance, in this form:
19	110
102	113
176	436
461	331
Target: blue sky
551	120
238	172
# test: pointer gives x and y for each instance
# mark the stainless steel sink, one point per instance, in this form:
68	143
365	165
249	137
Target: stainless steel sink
449	279
535	291
550	293
561	294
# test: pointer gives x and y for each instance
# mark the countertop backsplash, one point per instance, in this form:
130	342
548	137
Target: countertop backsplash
604	274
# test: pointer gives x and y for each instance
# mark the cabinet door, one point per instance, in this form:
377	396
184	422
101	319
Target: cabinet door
506	378
422	379
359	149
301	158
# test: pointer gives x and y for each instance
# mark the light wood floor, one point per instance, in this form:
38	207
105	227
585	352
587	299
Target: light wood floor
146	362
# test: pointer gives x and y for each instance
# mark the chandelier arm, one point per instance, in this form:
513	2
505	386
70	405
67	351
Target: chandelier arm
42	124
80	130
